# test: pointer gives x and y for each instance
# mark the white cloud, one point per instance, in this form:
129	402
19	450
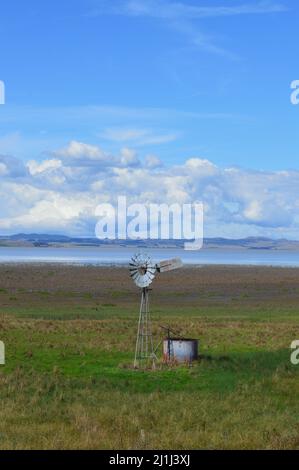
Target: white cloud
81	154
137	137
179	10
123	134
46	165
3	169
12	167
60	194
152	161
128	157
157	139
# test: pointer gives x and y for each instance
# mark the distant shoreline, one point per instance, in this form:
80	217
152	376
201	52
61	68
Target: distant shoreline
124	266
65	242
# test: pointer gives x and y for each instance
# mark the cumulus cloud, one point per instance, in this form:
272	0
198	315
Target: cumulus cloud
81	154
128	157
45	166
3	169
12	167
61	193
152	161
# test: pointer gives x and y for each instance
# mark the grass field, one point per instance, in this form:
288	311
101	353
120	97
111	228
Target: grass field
69	334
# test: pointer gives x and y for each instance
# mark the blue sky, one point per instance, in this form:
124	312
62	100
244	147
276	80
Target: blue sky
177	80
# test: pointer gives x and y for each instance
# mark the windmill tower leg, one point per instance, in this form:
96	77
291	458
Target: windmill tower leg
144	351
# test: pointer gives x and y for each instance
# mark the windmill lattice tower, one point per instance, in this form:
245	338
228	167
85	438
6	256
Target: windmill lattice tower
143	271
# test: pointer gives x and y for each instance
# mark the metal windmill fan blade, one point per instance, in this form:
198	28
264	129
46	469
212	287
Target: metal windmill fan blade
142	270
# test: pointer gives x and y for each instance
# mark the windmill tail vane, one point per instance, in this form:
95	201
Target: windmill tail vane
143	271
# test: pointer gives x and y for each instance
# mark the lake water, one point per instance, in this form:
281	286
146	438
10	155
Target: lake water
118	255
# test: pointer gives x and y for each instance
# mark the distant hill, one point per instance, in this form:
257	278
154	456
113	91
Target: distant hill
250	243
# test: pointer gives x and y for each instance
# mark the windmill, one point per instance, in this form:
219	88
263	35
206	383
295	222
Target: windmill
143	271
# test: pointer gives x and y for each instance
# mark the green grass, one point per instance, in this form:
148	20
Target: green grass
68	382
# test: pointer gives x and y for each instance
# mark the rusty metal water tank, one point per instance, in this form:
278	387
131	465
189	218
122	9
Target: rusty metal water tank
180	349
